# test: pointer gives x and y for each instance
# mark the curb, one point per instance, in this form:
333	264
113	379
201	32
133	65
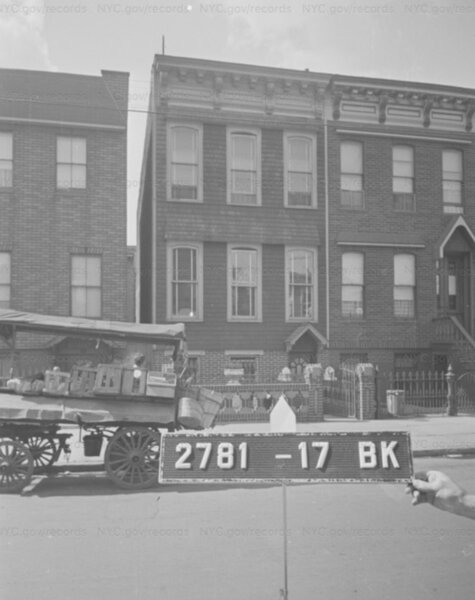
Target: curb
443	452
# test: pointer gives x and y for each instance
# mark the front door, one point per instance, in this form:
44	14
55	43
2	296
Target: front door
457	287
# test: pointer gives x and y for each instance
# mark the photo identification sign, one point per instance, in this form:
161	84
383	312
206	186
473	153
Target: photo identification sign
300	457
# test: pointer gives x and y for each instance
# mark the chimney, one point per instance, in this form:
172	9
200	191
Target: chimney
117	82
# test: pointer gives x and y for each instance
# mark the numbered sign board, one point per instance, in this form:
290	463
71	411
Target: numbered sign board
266	457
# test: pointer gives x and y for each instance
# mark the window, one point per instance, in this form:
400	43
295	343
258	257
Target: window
86	296
301	284
244	283
248	364
71	163
185	282
300	170
404	285
244	167
6	159
452	180
351	160
403	178
5	279
352	285
184	167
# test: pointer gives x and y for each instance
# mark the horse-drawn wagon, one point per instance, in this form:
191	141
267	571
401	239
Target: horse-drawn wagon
121	404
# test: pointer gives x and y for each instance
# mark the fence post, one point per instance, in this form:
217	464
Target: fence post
451	397
315	401
367	399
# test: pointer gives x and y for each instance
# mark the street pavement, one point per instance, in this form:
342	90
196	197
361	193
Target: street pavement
432	435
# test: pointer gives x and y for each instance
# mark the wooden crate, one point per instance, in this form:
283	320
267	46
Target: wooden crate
108	379
161	385
134	381
57	382
210	402
83	380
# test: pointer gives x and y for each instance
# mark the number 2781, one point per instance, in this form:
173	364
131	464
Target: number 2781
227	455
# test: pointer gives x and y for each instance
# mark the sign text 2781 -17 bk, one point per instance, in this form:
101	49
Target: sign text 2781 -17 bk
312	457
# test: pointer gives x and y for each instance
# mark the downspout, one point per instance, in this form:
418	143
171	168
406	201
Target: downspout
327	227
154	199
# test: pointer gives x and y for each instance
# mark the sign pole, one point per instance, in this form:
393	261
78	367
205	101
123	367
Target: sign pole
284	593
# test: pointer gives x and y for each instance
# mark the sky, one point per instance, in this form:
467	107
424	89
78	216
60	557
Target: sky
429	41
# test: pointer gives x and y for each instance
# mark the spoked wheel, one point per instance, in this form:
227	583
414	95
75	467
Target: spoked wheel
43	450
131	458
16	466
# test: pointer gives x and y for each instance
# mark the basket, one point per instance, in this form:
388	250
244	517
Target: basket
190	413
210	402
92	445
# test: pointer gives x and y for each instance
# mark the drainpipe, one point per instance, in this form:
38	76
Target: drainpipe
154	198
327	227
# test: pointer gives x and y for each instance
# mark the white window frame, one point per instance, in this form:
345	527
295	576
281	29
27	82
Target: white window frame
6	278
6	159
313	286
258	299
88	313
348	280
83	165
451	177
403	201
199	131
397	286
230	132
198	248
312	139
360	174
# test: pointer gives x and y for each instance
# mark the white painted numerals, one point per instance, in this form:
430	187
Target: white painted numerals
227	456
323	448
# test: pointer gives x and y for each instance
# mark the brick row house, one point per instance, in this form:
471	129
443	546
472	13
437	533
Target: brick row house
63	149
290	217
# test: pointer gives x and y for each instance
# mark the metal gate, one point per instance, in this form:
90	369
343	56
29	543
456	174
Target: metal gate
465	392
340	391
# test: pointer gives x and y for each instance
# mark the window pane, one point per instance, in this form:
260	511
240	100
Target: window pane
245	266
243	182
352	183
403	153
6	169
351	157
300	154
4	296
184	175
64	150
452	164
93	270
402	185
244	302
64	176
5	267
93	302
78	301
6	146
184	145
78	176
78	151
244	151
300	182
352	268
404	269
184	260
78	270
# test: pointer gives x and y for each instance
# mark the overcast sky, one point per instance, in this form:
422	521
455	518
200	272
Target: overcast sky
430	41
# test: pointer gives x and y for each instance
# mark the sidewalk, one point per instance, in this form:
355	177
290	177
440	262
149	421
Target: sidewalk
436	435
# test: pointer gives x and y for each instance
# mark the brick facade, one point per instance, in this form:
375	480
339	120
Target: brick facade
378	114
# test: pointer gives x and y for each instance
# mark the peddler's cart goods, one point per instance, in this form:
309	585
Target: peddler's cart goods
122	406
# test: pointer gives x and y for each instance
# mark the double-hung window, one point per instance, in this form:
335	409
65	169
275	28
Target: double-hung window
300	170
5	279
301	283
86	286
244	167
6	159
184	162
70	162
404	285
352	285
452	180
185	282
403	178
244	283
351	176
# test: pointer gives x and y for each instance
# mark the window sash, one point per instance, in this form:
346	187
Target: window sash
184	282
5	279
404	270
352	301
352	269
86	286
71	163
243	167
244	283
6	146
351	158
301	284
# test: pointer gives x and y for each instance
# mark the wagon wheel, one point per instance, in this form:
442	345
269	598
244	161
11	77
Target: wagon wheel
16	465
131	458
43	450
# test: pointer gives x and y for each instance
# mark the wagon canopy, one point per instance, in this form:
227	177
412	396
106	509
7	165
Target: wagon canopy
12	320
